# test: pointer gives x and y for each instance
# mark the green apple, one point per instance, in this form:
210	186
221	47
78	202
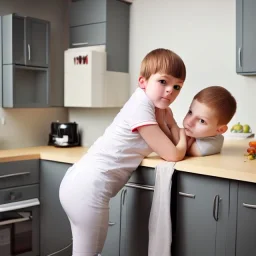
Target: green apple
246	128
237	128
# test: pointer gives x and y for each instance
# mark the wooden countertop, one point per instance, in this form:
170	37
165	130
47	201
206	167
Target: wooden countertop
231	163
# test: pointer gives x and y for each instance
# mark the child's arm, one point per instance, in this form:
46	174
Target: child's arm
162	145
172	125
193	149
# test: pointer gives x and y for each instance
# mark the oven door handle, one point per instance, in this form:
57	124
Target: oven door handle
11	221
19	205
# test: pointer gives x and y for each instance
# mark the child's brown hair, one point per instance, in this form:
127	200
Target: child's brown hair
163	61
220	100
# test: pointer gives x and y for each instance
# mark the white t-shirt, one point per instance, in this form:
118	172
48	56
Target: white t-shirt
121	147
210	145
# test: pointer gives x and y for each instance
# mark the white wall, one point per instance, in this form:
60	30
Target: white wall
203	33
30	127
92	122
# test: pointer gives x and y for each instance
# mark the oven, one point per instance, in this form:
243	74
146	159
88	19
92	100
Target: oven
19	209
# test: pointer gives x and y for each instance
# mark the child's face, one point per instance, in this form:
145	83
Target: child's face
161	89
201	121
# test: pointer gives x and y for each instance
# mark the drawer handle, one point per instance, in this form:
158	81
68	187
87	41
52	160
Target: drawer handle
111	223
252	206
76	44
19	205
187	195
140	187
14	175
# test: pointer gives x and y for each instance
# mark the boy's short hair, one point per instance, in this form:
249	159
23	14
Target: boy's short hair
163	61
220	100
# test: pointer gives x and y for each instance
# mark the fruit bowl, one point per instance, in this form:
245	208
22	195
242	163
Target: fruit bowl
238	135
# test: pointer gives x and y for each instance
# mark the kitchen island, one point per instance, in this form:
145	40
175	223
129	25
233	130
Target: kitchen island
213	205
231	163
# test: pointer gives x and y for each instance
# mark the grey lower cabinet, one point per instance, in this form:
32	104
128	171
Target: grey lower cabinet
136	205
202	215
245	37
112	243
246	220
55	232
102	22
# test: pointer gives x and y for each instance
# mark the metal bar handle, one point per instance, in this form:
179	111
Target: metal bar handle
111	223
252	206
14	174
29	52
21	219
187	195
76	44
239	56
147	187
19	205
216	202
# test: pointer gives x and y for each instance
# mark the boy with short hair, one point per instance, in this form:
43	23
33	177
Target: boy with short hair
210	111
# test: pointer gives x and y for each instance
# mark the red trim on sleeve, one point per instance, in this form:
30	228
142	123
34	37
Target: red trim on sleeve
135	128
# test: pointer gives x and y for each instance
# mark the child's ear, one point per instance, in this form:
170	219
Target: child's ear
222	129
142	82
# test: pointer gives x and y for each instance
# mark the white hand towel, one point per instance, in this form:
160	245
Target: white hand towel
160	226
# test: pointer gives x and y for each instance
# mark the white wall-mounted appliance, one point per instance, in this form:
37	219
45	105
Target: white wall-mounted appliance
87	83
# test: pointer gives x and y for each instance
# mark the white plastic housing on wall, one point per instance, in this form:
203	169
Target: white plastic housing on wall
88	84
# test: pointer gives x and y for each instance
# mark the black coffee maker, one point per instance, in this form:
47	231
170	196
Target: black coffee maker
64	134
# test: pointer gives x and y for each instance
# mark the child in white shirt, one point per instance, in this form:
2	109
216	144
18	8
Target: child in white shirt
90	183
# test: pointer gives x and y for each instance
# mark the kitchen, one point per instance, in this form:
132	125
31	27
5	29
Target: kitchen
202	32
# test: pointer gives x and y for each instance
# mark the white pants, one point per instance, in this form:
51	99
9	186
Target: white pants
84	195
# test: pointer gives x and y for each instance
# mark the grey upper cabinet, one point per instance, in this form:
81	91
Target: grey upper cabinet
95	12
25	71
55	231
25	41
102	22
202	215
37	38
245	37
246	219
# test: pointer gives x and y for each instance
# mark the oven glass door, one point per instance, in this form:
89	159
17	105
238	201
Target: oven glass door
17	231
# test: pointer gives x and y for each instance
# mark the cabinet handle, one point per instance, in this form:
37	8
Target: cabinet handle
29	53
123	196
76	44
14	175
139	186
216	202
187	195
111	223
252	206
239	56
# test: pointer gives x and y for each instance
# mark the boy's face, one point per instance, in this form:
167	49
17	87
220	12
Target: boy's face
161	89
201	121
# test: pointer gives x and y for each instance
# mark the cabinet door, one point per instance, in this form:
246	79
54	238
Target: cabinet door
246	36
13	33
87	12
37	40
111	246
135	211
246	219
202	212
55	231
